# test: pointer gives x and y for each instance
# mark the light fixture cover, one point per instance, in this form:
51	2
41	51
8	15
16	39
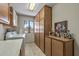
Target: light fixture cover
31	6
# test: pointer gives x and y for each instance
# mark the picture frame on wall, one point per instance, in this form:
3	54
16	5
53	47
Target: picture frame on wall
61	26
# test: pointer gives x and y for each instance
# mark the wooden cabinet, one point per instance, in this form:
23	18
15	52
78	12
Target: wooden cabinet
4	13
7	15
42	34
10	16
4	9
44	27
62	46
37	39
37	29
48	20
48	46
57	48
14	18
42	13
42	41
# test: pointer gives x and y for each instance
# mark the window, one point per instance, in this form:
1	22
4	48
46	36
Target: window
28	26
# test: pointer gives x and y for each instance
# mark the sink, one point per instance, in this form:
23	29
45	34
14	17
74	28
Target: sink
15	36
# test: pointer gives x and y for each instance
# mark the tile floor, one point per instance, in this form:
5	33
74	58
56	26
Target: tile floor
31	49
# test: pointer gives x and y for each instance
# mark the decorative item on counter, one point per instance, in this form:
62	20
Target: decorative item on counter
62	34
65	35
72	36
53	33
68	34
50	33
57	34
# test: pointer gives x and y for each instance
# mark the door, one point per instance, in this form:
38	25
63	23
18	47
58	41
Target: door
42	30
48	46
37	30
42	34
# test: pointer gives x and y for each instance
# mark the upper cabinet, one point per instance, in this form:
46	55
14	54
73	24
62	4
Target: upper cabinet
14	18
4	13
43	25
8	15
42	13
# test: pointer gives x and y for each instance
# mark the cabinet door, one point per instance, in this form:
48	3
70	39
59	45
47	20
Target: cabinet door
42	39
11	16
48	19
4	9
69	48
37	39
14	18
57	48
48	46
42	34
37	29
4	13
42	13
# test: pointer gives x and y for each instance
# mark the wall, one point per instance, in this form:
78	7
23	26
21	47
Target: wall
2	31
69	12
21	19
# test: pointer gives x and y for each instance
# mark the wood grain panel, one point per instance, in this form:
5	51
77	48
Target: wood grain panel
62	46
42	41
48	46
42	12
57	48
11	16
45	22
69	49
37	29
37	39
48	20
4	9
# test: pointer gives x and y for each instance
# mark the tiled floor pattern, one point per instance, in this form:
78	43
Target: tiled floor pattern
31	49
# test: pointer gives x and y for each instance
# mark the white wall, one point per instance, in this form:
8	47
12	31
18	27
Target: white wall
69	12
21	19
2	32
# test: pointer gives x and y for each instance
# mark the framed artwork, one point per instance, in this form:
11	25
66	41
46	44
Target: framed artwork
61	26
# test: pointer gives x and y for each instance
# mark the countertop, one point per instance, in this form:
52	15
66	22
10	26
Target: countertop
10	47
60	39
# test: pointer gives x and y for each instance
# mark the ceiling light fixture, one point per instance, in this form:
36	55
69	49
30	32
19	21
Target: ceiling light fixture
31	6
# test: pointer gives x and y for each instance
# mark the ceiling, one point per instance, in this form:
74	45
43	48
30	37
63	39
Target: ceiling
21	8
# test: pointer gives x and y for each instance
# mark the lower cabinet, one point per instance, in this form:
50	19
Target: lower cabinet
55	46
48	47
62	47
